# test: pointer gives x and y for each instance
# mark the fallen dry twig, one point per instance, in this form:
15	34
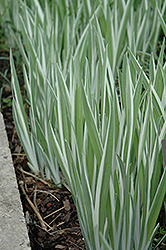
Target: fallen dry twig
42	223
34	176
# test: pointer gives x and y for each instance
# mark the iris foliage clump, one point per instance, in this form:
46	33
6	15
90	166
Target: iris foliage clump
96	110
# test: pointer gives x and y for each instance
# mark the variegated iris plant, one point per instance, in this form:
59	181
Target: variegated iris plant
104	129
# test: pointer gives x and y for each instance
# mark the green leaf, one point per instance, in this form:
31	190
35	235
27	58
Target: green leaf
92	128
139	69
161	21
156	205
144	132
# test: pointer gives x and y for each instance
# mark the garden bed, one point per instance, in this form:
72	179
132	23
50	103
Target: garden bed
102	127
64	231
